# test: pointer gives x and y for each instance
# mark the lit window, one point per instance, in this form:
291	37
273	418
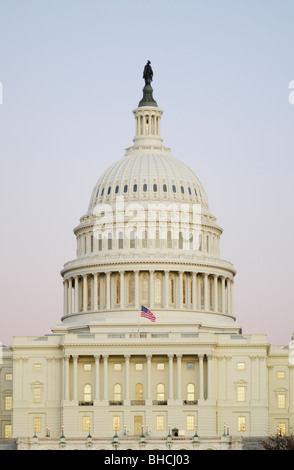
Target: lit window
190	392
37	367
116	423
241	393
139	366
117	392
160	392
87	367
87	393
282	429
139	392
158	291
8	377
159	423
37	424
117	366
7	431
8	403
241	365
145	290
37	394
86	423
281	401
160	366
281	374
241	423
190	420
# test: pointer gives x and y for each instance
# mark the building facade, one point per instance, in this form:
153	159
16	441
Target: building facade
108	377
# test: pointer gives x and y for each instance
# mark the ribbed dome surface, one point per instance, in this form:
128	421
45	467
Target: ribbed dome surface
149	176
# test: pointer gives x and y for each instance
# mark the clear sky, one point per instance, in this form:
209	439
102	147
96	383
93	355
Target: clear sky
71	73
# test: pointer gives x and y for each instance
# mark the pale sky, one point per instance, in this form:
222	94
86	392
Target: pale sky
71	74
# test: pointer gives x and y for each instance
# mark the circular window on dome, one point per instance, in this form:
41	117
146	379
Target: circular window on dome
164	187
174	188
145	187
155	187
135	188
182	190
125	188
116	189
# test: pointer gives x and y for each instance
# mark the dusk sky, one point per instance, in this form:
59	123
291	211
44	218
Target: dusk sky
71	75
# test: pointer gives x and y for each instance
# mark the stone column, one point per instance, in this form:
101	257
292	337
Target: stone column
148	398
136	290
166	293
127	379
108	290
209	377
206	293
170	376
95	293
151	289
66	378
105	377
65	297
223	295
215	292
75	377
97	381
85	292
179	370
76	308
229	296
194	291
201	388
122	289
180	289
69	311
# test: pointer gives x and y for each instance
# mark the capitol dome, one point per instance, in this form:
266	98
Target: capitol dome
148	238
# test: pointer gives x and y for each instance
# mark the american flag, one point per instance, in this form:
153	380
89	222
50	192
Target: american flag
145	312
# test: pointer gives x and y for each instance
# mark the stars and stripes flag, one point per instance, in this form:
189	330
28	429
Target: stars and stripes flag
145	312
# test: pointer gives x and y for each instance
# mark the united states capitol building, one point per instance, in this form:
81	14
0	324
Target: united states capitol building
109	378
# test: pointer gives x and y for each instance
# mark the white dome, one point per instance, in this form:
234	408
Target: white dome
149	175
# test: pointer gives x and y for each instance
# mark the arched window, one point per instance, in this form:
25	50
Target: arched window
157	240
110	241
135	188
202	291
87	393
125	188
145	239
117	392
164	187
100	242
145	187
169	240
180	241
158	291
190	392
89	285
133	240
160	392
120	240
116	189
139	393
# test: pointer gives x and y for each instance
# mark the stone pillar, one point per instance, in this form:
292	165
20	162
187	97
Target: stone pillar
95	293
105	377
108	290
136	290
215	292
179	371
151	289
194	291
223	295
127	379
166	293
170	376
180	289
69	311
201	387
66	378
122	289
65	297
76	307
209	377
206	293
229	296
75	377
148	398
85	292
97	381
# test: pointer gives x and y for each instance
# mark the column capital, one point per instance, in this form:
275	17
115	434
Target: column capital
149	356
127	356
105	356
179	356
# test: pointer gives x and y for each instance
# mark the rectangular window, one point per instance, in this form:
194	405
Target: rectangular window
8	403
190	423
87	367
281	374
116	423
190	365
37	395
139	366
159	423
281	401
117	366
37	367
8	377
241	423
282	429
37	424
86	422
160	366
7	431
241	366
241	393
